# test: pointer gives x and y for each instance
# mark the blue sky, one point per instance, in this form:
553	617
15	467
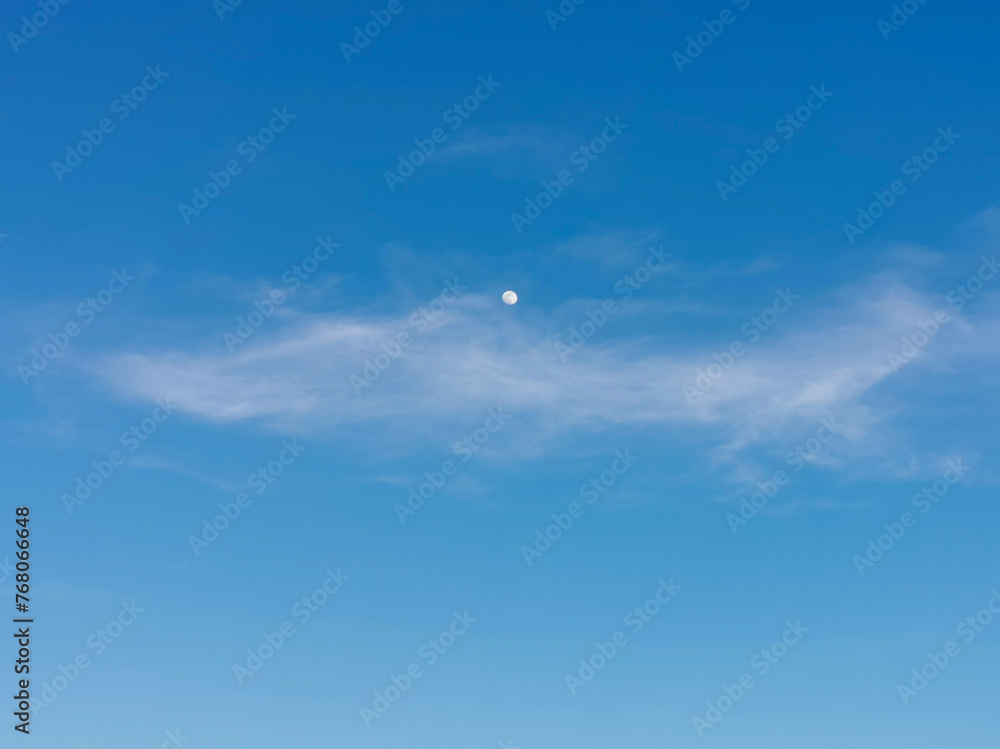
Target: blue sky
749	384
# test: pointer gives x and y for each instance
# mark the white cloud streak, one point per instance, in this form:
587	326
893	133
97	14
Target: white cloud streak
827	356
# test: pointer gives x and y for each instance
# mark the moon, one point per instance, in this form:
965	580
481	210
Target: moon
509	297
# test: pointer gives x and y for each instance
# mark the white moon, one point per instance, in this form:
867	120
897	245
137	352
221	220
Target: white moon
509	297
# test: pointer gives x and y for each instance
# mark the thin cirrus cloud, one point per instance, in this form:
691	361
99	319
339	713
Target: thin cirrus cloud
830	355
479	144
522	148
614	248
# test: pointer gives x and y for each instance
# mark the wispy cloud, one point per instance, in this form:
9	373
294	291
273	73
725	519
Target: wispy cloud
474	143
615	248
158	464
522	149
803	506
827	357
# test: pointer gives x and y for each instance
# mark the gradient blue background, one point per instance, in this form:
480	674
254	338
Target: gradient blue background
333	507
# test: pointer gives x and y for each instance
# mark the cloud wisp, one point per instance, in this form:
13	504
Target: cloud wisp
827	357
